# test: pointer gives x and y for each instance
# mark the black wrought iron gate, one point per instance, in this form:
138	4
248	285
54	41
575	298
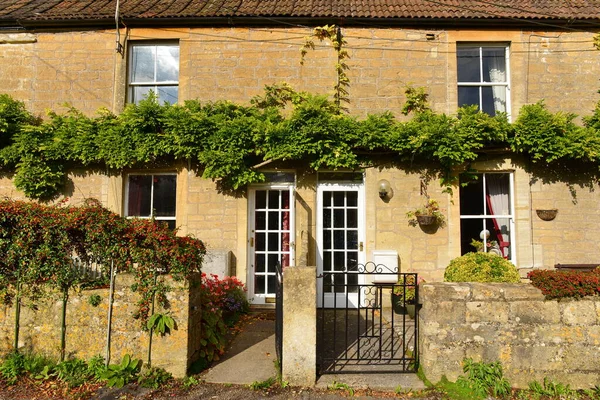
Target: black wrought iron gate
365	323
279	317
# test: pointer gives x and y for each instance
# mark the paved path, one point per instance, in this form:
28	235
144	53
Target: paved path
250	358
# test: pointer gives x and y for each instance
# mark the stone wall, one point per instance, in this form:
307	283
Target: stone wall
511	323
87	327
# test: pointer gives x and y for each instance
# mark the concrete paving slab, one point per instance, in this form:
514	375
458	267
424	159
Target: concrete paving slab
250	357
379	381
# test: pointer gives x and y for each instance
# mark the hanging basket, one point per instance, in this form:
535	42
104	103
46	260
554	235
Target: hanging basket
547	215
426	220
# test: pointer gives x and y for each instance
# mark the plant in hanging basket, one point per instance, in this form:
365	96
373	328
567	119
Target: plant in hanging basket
547	215
429	214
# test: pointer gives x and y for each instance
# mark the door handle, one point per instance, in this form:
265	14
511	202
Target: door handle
360	246
251	242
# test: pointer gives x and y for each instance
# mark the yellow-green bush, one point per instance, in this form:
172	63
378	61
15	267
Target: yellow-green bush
481	267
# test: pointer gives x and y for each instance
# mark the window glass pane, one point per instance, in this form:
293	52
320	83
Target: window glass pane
165	188
468	64
139	93
138	196
142	64
493	99
170	223
494	64
167	94
167	63
471	197
468	95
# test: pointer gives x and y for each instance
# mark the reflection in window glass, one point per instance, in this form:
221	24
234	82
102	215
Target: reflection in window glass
154	67
152	196
483	78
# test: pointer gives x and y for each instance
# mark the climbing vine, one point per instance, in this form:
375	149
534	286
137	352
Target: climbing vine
332	33
226	141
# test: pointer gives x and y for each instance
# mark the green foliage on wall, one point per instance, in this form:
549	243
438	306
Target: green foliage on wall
226	141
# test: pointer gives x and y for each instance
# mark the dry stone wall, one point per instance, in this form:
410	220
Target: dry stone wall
87	327
512	323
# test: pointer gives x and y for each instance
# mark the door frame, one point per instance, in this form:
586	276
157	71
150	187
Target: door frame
262	298
340	186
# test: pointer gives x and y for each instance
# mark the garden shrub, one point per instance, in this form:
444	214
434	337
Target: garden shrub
566	284
481	267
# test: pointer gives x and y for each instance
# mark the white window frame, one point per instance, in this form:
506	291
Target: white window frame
152	208
154	85
510	216
481	84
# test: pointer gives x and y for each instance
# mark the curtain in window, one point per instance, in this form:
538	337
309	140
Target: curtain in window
285	226
496	64
498	203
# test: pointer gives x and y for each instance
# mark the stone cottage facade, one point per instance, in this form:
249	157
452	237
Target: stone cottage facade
498	55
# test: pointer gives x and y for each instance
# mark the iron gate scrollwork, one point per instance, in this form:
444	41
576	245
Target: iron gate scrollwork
364	321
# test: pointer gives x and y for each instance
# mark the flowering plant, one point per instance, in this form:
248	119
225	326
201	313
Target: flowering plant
430	209
407	287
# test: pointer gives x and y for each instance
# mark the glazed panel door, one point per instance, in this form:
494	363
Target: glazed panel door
270	239
340	241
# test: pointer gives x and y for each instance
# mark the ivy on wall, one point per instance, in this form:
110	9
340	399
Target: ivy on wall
226	141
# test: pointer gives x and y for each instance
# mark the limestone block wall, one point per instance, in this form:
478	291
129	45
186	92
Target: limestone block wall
82	68
511	323
87	327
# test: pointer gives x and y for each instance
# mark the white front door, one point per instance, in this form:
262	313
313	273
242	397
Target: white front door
340	243
270	239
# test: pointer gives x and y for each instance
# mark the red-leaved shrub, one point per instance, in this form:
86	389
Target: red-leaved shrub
566	284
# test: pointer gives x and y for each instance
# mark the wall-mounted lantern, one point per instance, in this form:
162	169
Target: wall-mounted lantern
385	189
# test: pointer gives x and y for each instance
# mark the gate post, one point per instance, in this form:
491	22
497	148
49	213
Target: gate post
300	326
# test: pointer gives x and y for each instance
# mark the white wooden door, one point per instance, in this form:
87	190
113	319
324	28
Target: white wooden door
270	239
340	242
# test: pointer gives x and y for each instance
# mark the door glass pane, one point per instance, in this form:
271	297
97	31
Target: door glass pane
273	201
468	64
352	281
260	263
327	239
352	218
273	220
339	239
352	199
259	284
352	239
273	261
260	220
338	199
274	242
261	199
327	218
165	188
285	220
339	261
272	284
260	242
327	260
338	218
327	199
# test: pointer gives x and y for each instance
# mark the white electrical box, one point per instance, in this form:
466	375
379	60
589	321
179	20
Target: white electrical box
387	263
